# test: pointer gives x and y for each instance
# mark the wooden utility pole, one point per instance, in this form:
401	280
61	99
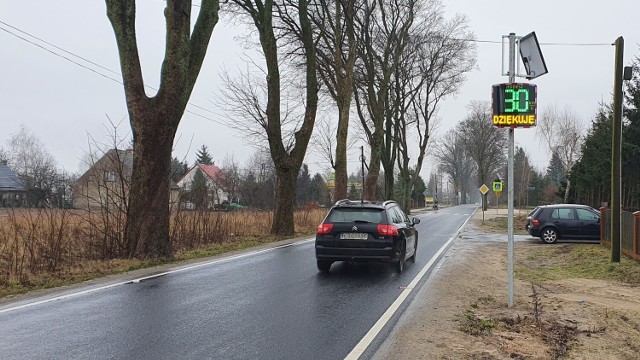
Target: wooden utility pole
615	152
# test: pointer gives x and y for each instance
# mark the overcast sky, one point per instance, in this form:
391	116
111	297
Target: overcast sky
64	104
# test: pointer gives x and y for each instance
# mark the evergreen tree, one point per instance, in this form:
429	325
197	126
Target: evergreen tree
318	191
203	156
592	173
199	190
353	192
178	169
417	195
302	185
555	170
536	194
631	142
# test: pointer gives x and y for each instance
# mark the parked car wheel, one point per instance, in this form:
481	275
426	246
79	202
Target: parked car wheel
401	261
324	265
412	259
549	235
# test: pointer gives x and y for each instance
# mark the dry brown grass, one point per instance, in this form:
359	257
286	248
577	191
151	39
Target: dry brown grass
500	224
42	248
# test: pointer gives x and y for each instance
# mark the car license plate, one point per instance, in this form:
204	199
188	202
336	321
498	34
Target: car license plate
354	236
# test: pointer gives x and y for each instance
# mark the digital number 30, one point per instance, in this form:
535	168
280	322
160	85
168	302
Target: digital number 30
518	102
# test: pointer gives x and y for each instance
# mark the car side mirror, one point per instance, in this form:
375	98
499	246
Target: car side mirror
415	221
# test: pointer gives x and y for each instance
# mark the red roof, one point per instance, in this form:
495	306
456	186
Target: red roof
212	171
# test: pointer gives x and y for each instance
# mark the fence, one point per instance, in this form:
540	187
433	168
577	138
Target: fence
629	231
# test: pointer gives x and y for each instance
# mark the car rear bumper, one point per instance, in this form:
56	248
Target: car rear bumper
385	254
534	232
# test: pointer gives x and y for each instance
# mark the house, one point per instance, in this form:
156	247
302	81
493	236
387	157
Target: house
12	190
215	183
106	183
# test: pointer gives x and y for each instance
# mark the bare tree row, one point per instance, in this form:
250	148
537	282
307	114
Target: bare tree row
396	59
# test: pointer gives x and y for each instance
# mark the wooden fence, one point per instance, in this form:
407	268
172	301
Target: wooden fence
629	231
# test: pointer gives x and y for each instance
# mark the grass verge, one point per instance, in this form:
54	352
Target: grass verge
500	225
566	261
89	270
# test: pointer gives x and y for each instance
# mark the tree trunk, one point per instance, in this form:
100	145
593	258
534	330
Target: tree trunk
405	195
371	181
389	182
148	212
283	222
344	91
566	191
341	148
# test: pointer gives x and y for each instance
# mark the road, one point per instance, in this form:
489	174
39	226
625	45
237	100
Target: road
272	304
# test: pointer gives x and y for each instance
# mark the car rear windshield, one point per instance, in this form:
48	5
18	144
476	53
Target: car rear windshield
344	215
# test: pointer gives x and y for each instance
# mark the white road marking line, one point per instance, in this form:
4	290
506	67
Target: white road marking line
135	281
364	343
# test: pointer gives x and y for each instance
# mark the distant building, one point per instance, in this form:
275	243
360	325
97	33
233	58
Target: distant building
12	190
215	184
106	182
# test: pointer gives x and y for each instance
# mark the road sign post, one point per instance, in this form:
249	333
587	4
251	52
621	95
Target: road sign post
483	190
515	105
497	188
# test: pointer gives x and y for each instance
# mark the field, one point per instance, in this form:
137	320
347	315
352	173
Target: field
43	248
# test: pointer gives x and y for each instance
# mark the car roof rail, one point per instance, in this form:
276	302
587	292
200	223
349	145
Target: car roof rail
356	202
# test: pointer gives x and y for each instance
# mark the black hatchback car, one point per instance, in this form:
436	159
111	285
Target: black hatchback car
552	222
366	231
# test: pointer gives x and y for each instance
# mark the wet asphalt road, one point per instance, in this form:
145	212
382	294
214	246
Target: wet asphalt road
270	305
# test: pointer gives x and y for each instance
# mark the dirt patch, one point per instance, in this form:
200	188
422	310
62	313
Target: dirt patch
462	312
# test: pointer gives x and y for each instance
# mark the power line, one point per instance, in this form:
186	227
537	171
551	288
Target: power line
155	89
59	55
92	63
544	43
576	44
57	47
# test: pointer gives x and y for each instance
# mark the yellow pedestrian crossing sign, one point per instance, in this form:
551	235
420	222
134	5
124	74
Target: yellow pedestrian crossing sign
497	186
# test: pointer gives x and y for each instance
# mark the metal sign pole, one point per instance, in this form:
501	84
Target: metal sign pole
512	79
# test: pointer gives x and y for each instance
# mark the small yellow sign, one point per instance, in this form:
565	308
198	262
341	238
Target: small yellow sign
484	189
497	186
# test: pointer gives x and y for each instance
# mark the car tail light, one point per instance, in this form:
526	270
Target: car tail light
324	229
535	222
387	230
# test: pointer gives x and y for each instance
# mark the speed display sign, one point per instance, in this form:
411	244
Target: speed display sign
514	105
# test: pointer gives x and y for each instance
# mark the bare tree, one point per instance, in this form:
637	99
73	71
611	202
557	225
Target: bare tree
245	98
102	191
562	132
257	185
484	143
522	172
4	155
34	165
230	179
286	157
433	67
154	120
384	29
324	140
454	162
336	59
